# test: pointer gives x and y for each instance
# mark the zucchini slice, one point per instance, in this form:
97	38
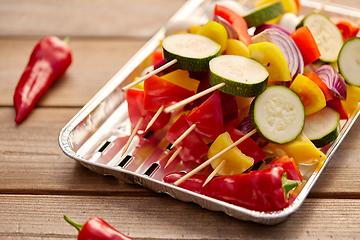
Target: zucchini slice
192	51
326	34
278	114
349	61
322	127
264	13
243	77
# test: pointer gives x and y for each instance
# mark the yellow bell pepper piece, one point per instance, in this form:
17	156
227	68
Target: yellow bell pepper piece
272	58
182	79
216	32
139	85
352	99
194	29
288	5
236	161
237	47
310	94
301	149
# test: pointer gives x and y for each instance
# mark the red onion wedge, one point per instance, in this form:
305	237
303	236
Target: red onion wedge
232	34
286	45
263	27
333	80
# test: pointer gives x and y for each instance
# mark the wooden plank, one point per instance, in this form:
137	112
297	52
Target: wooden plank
38	216
34	162
137	18
94	63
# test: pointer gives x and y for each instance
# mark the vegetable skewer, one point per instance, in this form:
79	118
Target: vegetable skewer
133	133
209	161
172	62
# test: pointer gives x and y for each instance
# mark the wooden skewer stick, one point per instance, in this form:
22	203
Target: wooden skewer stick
192	98
173	156
209	161
153	119
133	133
183	136
143	78
213	173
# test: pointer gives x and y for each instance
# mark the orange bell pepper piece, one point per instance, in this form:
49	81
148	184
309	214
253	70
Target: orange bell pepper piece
306	44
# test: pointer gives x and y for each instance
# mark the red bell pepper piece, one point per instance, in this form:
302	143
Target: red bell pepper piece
324	88
194	148
157	57
97	229
49	60
248	146
160	92
237	21
348	28
228	102
135	101
306	44
262	190
290	167
298	5
208	117
335	104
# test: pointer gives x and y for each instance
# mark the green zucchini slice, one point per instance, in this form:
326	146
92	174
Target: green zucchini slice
322	127
262	14
349	61
192	51
326	34
242	76
278	114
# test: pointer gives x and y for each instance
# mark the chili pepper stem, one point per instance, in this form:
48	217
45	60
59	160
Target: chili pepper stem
67	39
288	184
76	225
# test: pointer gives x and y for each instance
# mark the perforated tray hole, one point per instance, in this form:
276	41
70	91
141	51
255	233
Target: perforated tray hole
125	161
152	169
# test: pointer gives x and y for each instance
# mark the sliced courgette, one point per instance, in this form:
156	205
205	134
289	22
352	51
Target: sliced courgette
264	13
322	127
192	51
349	61
278	114
326	34
242	76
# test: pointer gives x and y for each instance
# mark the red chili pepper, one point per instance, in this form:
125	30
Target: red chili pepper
97	229
48	62
263	190
237	21
290	167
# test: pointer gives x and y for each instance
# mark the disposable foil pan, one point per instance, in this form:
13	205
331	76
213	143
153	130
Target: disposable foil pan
95	136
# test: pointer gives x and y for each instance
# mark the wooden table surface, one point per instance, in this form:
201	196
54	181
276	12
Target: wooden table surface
39	184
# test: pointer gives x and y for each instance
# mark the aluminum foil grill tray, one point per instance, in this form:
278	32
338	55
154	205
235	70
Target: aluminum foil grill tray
96	135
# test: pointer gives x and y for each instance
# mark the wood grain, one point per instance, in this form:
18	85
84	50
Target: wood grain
98	18
38	183
166	218
88	73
